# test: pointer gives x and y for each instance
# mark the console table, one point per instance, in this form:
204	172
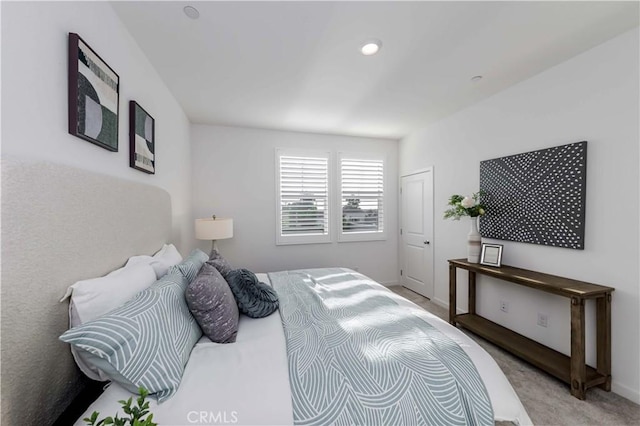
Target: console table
572	370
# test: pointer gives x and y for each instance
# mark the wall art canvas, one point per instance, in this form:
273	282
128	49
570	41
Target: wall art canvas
537	197
93	96
141	139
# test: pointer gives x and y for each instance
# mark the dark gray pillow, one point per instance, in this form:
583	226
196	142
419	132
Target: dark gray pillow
254	298
212	304
220	263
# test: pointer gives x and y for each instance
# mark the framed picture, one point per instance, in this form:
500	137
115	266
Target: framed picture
93	96
491	255
142	144
537	197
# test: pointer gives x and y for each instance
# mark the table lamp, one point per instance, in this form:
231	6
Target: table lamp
214	229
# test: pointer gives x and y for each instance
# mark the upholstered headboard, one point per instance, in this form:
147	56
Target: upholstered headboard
60	225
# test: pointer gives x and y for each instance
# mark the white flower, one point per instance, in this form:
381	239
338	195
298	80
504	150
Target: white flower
467	202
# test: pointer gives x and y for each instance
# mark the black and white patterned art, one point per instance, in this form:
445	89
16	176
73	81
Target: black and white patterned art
537	197
93	96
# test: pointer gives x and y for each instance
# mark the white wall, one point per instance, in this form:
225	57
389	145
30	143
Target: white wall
34	98
592	97
234	176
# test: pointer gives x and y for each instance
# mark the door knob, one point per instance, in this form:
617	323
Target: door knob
427	242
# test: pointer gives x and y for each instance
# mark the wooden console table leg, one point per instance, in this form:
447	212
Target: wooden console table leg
472	292
603	338
578	366
452	294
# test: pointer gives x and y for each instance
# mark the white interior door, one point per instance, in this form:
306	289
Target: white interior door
416	232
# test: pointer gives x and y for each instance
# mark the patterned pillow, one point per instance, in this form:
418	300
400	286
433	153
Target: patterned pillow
93	298
191	265
146	342
220	263
254	298
212	304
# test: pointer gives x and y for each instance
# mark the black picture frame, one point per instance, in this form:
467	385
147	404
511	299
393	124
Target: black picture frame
491	255
94	96
142	135
536	197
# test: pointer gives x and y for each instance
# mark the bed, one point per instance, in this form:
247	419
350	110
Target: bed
248	382
92	227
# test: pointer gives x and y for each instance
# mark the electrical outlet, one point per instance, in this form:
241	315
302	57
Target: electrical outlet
504	306
543	319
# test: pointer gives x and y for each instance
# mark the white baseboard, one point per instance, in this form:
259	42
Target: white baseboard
440	302
445	305
389	283
631	394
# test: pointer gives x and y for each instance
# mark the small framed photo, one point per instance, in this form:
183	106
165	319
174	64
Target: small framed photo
142	146
93	96
491	255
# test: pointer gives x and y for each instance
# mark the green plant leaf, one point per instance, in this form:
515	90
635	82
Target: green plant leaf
92	420
149	421
134	414
456	211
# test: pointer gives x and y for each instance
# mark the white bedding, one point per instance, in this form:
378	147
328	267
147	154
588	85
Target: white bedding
247	382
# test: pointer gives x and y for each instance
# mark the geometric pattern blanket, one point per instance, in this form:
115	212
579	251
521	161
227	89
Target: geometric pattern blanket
356	357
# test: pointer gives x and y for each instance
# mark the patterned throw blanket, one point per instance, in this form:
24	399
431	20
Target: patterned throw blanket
356	357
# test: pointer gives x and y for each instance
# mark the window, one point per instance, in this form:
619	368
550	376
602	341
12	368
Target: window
361	198
303	197
318	192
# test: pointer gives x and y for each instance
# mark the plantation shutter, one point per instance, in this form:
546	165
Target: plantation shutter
362	195
304	195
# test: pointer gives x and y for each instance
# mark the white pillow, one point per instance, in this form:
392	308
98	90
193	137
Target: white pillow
97	296
166	257
92	298
168	254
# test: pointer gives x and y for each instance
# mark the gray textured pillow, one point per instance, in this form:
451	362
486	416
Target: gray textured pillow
255	299
212	304
220	263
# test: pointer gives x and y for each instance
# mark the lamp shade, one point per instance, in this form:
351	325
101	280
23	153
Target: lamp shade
214	229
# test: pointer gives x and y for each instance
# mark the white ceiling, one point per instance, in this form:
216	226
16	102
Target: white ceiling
297	66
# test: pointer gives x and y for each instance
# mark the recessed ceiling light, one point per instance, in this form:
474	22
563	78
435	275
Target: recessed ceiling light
370	47
476	78
191	12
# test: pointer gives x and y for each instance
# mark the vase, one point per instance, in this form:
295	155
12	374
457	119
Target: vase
474	242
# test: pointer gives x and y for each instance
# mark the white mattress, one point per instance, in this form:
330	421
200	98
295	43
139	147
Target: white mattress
247	382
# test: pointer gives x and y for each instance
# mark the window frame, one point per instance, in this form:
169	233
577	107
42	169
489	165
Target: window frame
304	239
361	236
